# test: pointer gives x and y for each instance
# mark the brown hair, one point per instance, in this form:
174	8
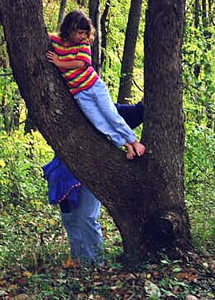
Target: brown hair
75	20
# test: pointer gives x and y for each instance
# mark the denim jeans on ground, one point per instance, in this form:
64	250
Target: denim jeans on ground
83	229
99	108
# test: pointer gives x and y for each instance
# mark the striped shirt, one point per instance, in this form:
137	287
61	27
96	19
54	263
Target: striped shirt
78	79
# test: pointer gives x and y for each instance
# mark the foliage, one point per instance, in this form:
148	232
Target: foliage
23	198
199	106
200	189
9	93
33	242
115	43
20	166
153	280
10	102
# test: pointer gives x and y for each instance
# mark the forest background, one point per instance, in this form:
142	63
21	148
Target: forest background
32	236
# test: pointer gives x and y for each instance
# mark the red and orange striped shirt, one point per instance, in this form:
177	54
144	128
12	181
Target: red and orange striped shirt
78	79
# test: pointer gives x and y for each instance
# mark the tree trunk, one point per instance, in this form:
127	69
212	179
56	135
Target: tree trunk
81	2
204	13
210	12
61	13
94	12
104	31
129	51
164	126
144	196
196	12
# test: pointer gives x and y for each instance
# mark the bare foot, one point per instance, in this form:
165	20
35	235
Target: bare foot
130	151
139	148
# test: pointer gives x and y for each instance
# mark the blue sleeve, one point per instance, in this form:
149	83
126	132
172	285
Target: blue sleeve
62	184
132	114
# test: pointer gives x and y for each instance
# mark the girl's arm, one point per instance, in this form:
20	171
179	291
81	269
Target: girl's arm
71	64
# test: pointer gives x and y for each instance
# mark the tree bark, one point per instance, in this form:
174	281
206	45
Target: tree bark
196	12
129	51
210	12
164	126
81	2
94	12
144	196
204	13
104	30
61	13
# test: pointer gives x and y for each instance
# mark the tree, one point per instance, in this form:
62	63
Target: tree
129	51
144	196
104	29
164	127
94	12
61	12
196	11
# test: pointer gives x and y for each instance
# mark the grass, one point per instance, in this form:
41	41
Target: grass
33	255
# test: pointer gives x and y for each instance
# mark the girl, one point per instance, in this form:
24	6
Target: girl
73	58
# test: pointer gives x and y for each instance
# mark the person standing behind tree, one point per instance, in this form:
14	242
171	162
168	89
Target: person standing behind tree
80	209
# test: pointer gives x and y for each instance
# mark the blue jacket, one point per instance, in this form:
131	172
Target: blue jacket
62	184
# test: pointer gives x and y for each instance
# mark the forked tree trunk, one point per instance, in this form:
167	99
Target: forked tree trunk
145	196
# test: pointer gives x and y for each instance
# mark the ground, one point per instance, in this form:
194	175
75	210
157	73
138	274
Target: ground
159	279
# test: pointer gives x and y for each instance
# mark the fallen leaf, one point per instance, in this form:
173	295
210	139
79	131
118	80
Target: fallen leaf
152	289
27	274
70	263
191	297
22	297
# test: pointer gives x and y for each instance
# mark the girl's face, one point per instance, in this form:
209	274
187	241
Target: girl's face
78	36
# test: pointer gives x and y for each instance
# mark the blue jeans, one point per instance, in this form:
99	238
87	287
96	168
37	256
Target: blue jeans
83	229
99	108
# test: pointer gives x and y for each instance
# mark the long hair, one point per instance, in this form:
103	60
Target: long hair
75	20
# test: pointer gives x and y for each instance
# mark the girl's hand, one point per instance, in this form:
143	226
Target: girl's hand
53	58
70	64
